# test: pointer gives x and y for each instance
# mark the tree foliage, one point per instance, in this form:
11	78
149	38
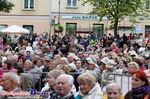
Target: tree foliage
117	10
5	7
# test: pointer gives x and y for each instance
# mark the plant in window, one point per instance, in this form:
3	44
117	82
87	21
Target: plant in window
58	28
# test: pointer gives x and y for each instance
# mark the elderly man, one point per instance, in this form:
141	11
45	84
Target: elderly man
70	58
13	61
115	48
29	68
113	91
10	82
52	65
64	85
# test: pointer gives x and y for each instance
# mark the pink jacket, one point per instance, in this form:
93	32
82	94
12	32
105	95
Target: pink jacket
1	72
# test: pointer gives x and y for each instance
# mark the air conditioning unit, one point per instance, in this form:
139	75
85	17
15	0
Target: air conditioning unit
54	21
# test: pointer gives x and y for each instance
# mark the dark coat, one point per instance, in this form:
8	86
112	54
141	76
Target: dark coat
69	97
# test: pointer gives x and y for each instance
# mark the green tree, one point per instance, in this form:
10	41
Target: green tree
117	10
6	6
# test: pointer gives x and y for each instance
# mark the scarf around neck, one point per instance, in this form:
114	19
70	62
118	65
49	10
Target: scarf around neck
140	93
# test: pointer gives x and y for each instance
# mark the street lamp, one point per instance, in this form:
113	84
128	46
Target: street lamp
50	18
59	13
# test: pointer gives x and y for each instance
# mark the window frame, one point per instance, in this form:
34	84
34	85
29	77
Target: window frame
72	4
6	1
148	6
28	26
28	5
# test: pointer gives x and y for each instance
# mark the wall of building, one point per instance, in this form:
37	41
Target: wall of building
39	17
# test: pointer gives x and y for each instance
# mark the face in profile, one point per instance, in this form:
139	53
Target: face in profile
137	83
113	93
51	81
85	87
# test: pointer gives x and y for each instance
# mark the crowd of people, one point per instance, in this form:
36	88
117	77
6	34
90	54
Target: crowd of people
75	67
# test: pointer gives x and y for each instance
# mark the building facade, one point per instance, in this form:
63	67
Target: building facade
41	15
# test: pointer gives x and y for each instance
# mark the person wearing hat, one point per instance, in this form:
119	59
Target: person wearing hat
133	55
90	65
110	68
103	65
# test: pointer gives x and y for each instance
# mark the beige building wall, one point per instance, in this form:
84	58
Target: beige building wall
39	17
42	7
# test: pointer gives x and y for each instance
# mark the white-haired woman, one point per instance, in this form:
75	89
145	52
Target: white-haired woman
113	91
147	72
132	66
63	62
89	89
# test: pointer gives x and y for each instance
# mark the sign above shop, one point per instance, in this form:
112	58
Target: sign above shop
83	17
137	30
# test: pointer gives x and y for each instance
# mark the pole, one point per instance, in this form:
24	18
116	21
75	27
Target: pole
59	13
50	18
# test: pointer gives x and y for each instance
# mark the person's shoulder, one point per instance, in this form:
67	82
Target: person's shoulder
116	71
19	90
128	95
71	97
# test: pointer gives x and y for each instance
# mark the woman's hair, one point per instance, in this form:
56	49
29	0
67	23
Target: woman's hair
112	85
19	70
142	76
23	59
57	56
78	60
124	62
41	60
8	62
89	77
55	73
138	61
136	66
64	68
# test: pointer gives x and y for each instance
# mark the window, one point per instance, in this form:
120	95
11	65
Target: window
71	28
29	4
71	3
29	27
147	29
3	27
98	30
5	0
96	4
148	4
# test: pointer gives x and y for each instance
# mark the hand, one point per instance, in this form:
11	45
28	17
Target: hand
44	80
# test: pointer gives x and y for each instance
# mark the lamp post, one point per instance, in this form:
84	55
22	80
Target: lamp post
50	18
59	14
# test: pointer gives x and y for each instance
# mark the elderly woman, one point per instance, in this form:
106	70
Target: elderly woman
140	86
40	63
132	66
63	62
52	76
7	66
147	72
88	87
79	66
103	63
122	67
110	68
90	65
113	91
72	67
51	83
